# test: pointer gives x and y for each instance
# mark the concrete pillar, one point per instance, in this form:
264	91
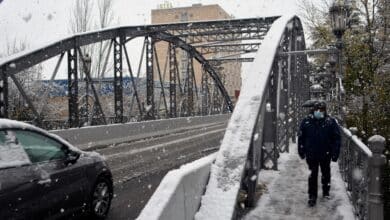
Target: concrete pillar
375	202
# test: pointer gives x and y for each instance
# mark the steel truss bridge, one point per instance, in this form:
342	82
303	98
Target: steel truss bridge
264	119
179	93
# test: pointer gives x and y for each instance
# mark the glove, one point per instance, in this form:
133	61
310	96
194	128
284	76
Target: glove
302	156
334	159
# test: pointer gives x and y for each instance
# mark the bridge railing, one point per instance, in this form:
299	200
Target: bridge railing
263	122
361	168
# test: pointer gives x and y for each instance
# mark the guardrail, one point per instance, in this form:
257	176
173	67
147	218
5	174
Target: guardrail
98	136
361	168
179	193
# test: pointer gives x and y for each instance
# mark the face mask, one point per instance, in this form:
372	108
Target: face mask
318	114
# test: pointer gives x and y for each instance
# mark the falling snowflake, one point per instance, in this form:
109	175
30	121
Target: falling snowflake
256	136
357	174
27	18
49	17
253	178
12	65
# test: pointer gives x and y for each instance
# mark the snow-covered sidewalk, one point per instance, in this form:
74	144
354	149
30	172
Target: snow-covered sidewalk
286	194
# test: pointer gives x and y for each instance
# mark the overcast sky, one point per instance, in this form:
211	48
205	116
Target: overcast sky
39	22
42	21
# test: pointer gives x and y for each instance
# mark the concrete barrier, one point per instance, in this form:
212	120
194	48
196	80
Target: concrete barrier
90	138
179	193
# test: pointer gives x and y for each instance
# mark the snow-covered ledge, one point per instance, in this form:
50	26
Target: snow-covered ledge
226	172
179	193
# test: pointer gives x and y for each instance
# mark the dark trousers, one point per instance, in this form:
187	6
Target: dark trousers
324	164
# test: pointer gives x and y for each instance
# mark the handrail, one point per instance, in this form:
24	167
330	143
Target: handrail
360	168
358	143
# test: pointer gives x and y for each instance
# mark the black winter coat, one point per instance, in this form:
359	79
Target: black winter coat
319	138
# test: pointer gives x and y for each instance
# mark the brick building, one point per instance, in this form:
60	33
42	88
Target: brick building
230	73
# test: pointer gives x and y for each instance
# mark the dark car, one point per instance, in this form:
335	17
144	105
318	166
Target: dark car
42	176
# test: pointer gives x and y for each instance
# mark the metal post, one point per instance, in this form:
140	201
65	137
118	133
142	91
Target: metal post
190	84
292	100
204	92
118	80
375	203
73	88
3	93
161	79
340	45
149	108
270	150
172	81
135	92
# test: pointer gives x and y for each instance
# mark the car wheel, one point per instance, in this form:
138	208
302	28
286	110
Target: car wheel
101	198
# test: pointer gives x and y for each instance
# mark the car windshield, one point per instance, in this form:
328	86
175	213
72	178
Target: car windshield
11	152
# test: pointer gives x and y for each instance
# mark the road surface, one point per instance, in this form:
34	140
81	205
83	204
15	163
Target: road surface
138	167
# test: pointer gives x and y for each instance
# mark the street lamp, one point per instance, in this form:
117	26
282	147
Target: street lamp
338	13
338	18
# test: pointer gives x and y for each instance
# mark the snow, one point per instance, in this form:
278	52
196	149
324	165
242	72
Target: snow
342	90
167	189
361	145
220	198
159	146
12	154
377	138
6	123
286	193
357	142
316	86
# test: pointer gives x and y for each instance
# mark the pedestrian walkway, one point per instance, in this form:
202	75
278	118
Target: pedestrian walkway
286	193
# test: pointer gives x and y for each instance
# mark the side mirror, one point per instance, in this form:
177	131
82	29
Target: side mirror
71	157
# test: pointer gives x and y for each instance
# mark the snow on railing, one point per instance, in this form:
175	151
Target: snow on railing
357	142
361	169
237	147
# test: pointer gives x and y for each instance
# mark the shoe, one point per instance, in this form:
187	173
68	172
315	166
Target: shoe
326	195
312	201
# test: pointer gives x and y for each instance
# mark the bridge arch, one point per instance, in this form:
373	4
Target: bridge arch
118	37
273	91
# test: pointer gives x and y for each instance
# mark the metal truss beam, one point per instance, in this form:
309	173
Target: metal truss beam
309	52
73	88
195	54
97	104
172	81
282	114
225	60
204	92
118	79
226	36
191	32
247	48
149	108
190	84
3	93
221	25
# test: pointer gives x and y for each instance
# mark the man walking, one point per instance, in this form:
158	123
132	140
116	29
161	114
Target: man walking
319	143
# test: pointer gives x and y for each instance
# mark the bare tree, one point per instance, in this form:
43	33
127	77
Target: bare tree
80	16
29	79
85	16
106	18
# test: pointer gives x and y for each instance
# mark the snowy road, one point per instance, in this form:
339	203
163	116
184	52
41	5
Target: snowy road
138	167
